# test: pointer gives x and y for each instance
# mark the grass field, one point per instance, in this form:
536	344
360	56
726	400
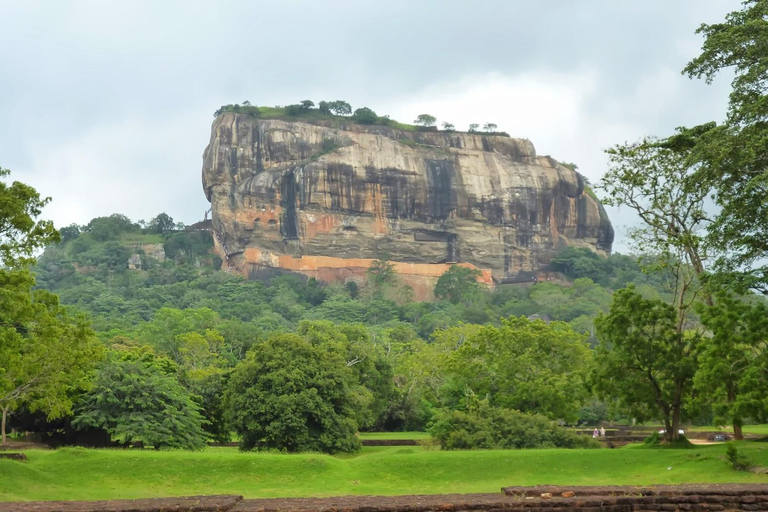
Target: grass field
748	429
76	473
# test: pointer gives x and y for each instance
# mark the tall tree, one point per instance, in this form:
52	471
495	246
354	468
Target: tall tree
733	157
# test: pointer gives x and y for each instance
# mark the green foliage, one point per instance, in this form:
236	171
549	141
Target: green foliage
292	395
448	127
643	360
731	378
163	223
45	353
188	246
738	460
490	127
458	285
425	120
20	234
530	366
473	127
731	158
340	108
139	402
364	115
486	427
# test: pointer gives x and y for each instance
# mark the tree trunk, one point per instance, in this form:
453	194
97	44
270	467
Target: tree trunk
675	423
2	426
738	434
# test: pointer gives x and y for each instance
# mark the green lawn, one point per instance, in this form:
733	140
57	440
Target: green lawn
394	435
748	429
76	473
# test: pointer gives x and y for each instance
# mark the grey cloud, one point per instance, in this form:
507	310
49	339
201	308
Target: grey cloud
125	70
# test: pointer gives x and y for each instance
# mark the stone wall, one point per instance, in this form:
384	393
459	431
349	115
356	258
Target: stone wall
662	498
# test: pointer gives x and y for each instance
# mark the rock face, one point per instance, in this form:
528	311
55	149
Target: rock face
326	199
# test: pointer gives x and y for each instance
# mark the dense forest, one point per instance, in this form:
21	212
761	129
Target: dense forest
156	289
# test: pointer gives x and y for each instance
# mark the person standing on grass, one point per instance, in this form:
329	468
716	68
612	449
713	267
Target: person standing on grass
595	433
602	431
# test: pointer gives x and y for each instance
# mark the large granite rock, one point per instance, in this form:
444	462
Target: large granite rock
327	198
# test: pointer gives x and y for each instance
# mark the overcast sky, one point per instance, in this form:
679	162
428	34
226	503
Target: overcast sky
107	106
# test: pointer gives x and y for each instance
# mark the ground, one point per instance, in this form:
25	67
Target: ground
76	473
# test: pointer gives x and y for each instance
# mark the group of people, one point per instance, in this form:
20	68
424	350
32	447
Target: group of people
599	433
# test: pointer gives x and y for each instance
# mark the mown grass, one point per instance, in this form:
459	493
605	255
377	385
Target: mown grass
748	429
108	474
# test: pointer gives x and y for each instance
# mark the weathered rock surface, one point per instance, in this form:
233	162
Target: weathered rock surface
326	199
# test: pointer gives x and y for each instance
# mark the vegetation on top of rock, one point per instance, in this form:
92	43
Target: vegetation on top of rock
339	110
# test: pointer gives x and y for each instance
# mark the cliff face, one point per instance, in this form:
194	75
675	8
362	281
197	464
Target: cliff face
326	200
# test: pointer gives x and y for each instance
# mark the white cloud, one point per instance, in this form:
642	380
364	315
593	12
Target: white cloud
138	167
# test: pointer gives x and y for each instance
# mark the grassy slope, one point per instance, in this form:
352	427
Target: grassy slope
103	474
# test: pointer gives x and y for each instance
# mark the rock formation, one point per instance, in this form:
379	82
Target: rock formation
328	197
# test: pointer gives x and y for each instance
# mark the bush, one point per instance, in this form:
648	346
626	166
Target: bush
738	460
489	427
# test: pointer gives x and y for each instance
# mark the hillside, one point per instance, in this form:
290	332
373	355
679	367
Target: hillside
123	275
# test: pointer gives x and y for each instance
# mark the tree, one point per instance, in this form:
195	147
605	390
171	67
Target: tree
643	359
246	103
307	104
137	401
458	284
425	120
449	127
732	376
292	395
489	127
372	369
473	127
20	234
69	233
364	115
381	276
324	107
527	365
163	223
45	353
733	157
340	108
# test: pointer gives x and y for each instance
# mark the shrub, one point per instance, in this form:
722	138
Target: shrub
489	427
738	460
